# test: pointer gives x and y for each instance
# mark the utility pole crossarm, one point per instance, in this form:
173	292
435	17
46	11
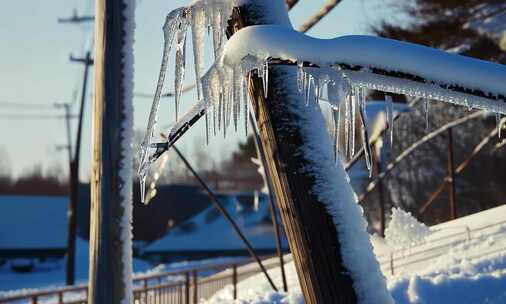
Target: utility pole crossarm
75	18
86	60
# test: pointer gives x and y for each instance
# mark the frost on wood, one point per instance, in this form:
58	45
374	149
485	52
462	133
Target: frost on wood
126	148
334	191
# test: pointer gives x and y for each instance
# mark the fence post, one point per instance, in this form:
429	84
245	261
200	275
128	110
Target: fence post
187	288
392	263
195	287
451	174
60	297
234	280
381	192
34	300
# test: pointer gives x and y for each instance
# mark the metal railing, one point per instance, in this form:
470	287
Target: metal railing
186	286
401	258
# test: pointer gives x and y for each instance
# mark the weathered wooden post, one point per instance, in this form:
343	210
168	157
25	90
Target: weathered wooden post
111	179
309	226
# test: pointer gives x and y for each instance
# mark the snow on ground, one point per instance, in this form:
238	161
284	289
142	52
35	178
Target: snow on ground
461	261
52	274
404	229
257	290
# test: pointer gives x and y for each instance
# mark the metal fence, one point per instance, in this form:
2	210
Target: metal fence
405	257
186	286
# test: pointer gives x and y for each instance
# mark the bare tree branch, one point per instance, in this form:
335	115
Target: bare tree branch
290	3
306	26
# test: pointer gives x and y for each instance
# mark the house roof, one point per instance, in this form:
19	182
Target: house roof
209	231
33	222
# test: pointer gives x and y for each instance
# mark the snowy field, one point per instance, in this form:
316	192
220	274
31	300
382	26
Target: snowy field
461	261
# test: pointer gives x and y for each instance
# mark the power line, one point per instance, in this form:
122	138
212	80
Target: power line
34	116
27	106
168	94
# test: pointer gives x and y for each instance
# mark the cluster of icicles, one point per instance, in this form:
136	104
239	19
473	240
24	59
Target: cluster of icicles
224	89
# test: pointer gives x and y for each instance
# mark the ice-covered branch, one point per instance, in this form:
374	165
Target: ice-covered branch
374	55
306	26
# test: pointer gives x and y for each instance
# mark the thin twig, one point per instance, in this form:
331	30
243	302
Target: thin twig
290	3
306	26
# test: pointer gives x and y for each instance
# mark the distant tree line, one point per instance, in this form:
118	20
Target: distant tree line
33	182
236	172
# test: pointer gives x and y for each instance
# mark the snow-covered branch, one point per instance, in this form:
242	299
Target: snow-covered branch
374	55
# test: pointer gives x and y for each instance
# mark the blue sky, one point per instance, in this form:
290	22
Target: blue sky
35	70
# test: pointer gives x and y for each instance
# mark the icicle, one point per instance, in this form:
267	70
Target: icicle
237	81
336	113
353	119
309	81
215	117
220	110
426	115
499	124
217	33
207	129
316	82
347	124
300	75
245	105
180	63
333	95
198	24
142	181
169	30
228	84
207	95
265	77
214	92
365	132
390	117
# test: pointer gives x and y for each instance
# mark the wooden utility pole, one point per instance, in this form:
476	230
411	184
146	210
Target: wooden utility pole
74	176
110	233
311	233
